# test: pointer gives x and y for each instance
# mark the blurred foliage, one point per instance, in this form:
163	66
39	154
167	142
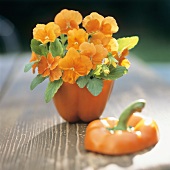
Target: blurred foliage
149	19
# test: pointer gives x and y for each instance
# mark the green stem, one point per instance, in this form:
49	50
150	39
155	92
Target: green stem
136	106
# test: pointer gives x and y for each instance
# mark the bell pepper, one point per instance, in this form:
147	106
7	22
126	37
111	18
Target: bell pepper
130	133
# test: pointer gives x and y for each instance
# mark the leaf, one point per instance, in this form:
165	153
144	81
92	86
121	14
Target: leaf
128	42
82	81
52	88
37	80
95	86
116	73
29	66
38	47
56	48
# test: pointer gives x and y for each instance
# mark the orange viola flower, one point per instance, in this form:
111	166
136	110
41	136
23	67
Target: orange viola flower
122	60
76	37
34	57
109	26
96	53
87	49
49	67
96	22
74	65
46	33
112	46
101	53
92	22
68	20
100	38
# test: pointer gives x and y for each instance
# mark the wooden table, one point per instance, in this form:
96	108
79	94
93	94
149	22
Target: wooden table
34	137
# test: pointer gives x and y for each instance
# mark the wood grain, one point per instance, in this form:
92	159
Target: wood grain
34	137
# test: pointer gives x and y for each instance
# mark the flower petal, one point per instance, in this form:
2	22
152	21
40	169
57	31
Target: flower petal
42	65
92	22
55	63
109	26
101	53
55	74
70	76
68	61
87	49
76	37
68	20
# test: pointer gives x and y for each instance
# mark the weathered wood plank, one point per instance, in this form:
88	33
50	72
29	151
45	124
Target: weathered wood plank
33	135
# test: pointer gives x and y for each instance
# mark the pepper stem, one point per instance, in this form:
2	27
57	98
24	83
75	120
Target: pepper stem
136	106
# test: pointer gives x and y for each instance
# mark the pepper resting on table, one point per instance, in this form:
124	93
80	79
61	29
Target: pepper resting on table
130	133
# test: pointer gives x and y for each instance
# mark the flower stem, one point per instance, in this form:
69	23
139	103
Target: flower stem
136	106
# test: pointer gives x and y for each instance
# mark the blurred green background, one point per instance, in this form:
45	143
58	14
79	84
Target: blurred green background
149	19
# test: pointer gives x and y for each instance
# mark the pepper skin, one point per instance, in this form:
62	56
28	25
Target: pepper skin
106	136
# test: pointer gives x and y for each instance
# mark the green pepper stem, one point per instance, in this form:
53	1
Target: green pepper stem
136	106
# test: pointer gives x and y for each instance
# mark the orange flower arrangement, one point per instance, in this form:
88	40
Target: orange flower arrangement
64	52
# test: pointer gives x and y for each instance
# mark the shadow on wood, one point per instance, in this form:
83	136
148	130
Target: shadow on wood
62	147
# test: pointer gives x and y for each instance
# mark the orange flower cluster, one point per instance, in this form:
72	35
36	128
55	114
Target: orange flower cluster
83	48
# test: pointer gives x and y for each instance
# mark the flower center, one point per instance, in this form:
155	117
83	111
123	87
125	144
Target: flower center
47	38
68	25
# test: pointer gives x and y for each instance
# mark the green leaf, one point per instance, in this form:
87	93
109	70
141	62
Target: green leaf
116	73
38	47
82	81
56	48
95	86
128	42
52	88
29	66
37	80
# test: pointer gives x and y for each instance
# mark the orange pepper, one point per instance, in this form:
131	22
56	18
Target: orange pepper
130	133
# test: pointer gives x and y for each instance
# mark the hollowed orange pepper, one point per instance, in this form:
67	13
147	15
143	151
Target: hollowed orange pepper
130	133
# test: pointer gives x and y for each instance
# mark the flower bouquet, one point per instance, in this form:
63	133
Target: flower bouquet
84	56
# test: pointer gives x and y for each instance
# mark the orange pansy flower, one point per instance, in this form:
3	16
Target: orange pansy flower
74	65
49	67
96	22
112	46
101	53
46	33
96	53
109	26
92	22
100	38
122	60
34	57
87	49
76	37
68	20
